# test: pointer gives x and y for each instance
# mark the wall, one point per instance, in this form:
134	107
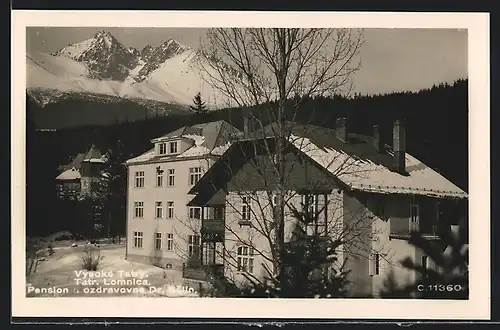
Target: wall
358	239
258	234
394	249
300	174
180	226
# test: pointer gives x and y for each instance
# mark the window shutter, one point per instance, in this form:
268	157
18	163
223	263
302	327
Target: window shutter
371	265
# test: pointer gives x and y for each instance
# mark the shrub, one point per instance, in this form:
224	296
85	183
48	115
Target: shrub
91	258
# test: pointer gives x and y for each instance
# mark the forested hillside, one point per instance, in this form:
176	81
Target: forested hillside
436	119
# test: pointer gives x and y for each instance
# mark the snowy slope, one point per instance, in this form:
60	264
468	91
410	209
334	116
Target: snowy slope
64	74
176	80
183	77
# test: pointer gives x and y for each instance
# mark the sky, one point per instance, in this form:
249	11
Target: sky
392	59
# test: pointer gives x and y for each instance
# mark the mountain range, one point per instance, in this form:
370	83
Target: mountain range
102	67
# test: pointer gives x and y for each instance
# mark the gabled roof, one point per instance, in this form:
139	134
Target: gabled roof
211	138
70	174
357	164
75	162
93	155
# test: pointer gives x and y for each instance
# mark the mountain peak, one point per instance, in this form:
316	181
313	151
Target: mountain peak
106	37
103	54
103	33
154	57
173	46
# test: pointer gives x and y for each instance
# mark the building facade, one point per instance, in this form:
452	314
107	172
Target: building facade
370	195
161	228
81	177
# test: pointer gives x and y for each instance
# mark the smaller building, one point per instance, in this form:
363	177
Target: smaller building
81	176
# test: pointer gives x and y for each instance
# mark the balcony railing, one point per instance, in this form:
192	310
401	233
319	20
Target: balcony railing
212	229
429	231
203	273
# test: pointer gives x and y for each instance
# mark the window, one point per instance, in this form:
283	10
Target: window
139	179
424	263
193	245
158	241
310	204
159	178
158	209
170	210
194	175
245	259
414	214
374	264
246	211
139	209
172	147
195	213
311	207
170	242
162	148
274	203
138	235
171	177
218	213
377	263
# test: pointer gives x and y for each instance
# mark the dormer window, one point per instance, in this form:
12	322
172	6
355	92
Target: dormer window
172	147
168	148
162	148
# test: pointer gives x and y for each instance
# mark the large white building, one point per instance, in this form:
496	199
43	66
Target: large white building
161	228
203	197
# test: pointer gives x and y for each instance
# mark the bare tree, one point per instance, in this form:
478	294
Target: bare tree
256	66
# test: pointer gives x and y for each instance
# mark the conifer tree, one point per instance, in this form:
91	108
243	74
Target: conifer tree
199	105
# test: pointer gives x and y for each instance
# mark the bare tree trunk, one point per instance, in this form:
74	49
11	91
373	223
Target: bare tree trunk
252	67
280	232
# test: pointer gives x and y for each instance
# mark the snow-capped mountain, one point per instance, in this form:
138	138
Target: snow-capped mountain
170	73
104	56
158	56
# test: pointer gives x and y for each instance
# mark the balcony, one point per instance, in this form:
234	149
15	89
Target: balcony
429	232
203	273
212	229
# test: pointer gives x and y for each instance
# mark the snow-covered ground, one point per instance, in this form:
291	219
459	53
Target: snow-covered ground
62	275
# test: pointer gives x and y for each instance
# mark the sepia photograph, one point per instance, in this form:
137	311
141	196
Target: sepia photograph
328	163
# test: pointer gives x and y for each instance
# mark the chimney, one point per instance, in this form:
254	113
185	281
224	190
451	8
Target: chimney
377	139
342	129
399	146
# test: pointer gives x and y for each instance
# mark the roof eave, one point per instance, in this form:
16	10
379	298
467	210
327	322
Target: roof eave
411	191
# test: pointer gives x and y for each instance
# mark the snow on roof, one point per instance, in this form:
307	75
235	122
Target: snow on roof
96	160
148	155
70	174
209	139
366	175
198	139
94	156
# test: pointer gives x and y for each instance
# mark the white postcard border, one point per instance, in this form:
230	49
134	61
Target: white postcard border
477	307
